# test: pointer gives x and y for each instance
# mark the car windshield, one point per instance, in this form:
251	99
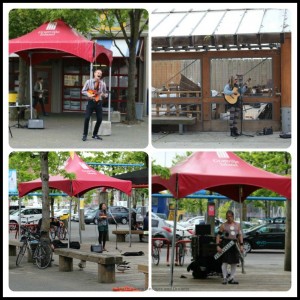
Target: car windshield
16	212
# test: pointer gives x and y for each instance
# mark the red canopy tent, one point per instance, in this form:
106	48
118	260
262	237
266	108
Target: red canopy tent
63	40
56	40
86	179
221	172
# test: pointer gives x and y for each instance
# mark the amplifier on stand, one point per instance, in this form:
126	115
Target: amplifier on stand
36	124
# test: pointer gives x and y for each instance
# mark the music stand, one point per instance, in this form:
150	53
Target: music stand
116	230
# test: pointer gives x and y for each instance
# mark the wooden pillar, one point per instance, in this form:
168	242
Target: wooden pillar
286	73
286	81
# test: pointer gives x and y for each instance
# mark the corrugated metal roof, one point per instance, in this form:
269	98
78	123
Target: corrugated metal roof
269	24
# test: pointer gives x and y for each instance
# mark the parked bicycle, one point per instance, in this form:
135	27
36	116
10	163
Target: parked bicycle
156	246
181	248
40	252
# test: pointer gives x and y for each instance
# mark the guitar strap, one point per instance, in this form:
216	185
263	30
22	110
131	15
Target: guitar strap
96	85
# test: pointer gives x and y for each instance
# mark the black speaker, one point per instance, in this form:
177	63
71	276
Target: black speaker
202	229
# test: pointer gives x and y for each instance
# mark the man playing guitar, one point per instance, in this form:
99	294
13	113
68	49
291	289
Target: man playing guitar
232	93
95	90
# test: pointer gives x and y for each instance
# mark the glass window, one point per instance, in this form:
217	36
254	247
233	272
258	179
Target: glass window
256	73
177	75
251	111
154	223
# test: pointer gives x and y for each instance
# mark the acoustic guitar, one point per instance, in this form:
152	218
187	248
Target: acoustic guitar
233	98
94	95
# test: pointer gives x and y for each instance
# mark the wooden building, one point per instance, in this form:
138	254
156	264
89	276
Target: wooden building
195	53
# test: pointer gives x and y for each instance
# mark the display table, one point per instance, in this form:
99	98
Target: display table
19	108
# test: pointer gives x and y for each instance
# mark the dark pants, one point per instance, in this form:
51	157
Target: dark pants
102	238
92	106
37	100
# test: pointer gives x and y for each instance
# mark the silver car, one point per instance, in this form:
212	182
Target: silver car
161	229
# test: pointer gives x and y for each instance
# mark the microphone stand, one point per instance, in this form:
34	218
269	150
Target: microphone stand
242	115
116	230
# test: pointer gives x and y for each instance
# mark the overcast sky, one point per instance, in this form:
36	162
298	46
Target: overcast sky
164	158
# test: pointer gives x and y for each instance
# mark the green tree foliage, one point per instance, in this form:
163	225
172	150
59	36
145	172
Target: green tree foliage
22	21
131	21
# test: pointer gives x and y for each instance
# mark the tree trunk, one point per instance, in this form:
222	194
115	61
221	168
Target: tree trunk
45	201
23	77
135	19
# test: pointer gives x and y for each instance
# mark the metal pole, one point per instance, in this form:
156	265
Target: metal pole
174	233
129	219
109	93
69	221
30	84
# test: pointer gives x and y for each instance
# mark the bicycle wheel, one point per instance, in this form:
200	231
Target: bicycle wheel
21	253
155	255
43	255
181	254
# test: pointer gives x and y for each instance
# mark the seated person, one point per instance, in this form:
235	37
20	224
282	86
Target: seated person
55	224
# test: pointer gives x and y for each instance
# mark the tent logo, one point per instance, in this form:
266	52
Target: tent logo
84	166
51	26
222	154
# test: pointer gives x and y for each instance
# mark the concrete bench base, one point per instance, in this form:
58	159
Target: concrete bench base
106	262
13	245
181	121
144	269
121	234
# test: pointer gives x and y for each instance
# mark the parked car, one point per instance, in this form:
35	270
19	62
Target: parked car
159	215
180	230
141	213
91	216
266	236
120	214
161	229
28	215
59	213
191	222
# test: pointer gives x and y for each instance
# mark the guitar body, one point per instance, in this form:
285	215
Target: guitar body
94	95
232	99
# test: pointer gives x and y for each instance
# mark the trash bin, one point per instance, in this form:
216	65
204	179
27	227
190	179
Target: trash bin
139	110
12	97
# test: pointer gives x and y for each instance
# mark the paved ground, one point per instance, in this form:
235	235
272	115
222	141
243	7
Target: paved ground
27	277
261	275
217	140
65	131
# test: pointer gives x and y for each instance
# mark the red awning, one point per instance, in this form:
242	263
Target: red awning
55	40
86	179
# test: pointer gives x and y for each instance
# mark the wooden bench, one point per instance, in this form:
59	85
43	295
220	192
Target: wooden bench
121	234
181	121
144	269
13	244
106	262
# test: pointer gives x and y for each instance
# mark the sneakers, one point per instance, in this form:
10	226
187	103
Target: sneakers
96	137
232	281
224	281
